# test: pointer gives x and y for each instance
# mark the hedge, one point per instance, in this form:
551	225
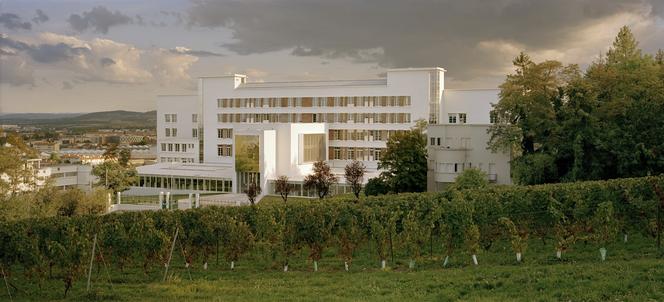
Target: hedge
468	220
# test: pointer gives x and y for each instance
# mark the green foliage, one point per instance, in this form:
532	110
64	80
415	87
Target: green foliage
404	162
564	125
605	227
469	219
376	186
471	179
114	176
518	238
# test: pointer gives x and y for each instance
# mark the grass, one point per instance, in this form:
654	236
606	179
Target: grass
634	271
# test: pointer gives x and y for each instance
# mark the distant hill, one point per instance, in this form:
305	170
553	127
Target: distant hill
105	119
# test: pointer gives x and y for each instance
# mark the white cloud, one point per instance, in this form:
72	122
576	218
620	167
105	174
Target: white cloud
106	60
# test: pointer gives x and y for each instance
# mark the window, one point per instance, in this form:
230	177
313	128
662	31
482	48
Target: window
313	147
462	118
224	150
163	147
224	133
194	132
170	118
170	147
177	147
433	141
452	118
168	132
438	141
174	132
194	118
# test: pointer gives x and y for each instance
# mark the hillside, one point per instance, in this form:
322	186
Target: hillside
104	119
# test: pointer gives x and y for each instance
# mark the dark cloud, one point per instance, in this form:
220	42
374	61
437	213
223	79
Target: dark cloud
105	62
40	17
99	19
196	53
52	53
42	53
67	85
398	33
13	21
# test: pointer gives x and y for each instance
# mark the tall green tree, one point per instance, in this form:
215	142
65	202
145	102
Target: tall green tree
114	176
404	162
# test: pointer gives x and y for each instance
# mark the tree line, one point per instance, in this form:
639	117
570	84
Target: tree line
563	124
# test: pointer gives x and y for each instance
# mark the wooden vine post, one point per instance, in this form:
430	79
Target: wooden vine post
92	257
170	255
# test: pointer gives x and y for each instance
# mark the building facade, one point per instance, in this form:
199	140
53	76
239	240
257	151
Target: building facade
250	131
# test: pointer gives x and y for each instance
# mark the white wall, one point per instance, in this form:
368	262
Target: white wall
475	103
184	106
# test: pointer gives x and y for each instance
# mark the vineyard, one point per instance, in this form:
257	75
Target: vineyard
391	232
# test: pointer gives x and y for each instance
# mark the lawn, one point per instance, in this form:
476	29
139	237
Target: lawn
633	271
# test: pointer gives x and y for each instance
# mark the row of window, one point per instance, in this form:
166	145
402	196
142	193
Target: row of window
225	133
185	183
368	118
454	118
224	150
173	118
297	102
363	135
350	153
298	189
176	160
64	174
459	167
461	142
176	147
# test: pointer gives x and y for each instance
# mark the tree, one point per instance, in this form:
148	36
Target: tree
321	179
376	186
114	176
471	179
564	125
282	187
252	190
354	173
111	152
405	161
123	157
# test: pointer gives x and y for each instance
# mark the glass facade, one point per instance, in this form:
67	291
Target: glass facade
185	183
247	153
313	147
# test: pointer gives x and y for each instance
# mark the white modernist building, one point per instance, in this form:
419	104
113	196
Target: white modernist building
235	131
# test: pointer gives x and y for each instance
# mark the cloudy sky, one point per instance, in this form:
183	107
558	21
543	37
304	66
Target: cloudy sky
88	55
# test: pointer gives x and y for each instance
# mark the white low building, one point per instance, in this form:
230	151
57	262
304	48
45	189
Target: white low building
235	131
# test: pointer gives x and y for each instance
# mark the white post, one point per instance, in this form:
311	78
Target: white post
559	254
191	201
232	265
119	198
162	204
447	260
198	200
475	259
315	266
382	264
110	200
346	265
168	200
518	257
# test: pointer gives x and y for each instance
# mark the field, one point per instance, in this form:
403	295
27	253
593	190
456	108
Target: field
633	271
